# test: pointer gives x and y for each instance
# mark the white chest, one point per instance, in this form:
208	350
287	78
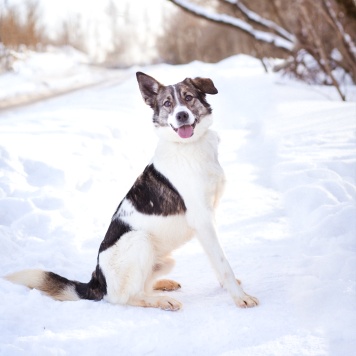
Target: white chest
193	168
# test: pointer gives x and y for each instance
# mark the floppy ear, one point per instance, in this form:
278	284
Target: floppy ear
205	85
149	88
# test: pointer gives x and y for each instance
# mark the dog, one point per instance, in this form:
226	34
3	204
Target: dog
170	202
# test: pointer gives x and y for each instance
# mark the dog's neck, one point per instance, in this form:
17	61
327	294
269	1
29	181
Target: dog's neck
202	149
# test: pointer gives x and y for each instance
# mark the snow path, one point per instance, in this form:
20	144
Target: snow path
41	75
286	222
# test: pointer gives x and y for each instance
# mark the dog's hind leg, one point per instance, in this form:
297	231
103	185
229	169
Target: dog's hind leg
126	266
149	299
163	266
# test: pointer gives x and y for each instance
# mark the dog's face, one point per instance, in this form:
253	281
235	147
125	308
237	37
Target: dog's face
180	111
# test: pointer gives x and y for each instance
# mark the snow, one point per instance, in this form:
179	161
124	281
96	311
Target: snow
35	75
286	221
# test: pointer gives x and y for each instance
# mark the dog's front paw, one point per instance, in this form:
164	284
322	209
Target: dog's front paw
169	304
246	301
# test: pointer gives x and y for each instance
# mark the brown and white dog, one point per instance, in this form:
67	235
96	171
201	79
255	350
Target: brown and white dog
171	201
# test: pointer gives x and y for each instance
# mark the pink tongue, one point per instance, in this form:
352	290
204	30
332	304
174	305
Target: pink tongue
185	131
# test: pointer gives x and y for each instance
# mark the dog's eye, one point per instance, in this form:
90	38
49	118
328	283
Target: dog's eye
188	98
167	104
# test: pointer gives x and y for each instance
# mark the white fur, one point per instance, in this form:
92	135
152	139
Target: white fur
126	266
192	166
33	278
166	233
129	265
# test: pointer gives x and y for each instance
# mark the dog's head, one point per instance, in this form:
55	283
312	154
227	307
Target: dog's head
180	111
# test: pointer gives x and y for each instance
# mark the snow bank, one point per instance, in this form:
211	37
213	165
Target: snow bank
38	75
286	222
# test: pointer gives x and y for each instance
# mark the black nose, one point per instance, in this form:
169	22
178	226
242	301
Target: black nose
182	116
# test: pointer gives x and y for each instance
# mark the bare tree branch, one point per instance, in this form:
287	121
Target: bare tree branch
346	38
314	25
324	62
262	36
256	18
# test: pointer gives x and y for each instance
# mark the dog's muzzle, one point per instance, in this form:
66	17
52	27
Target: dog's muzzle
184	130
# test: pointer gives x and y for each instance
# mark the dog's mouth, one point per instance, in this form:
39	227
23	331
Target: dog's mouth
185	131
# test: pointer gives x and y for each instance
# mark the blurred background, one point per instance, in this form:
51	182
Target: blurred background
314	39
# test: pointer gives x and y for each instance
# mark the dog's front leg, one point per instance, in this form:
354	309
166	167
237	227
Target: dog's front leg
207	236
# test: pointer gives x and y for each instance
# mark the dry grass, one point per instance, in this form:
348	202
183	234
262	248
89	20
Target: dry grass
18	30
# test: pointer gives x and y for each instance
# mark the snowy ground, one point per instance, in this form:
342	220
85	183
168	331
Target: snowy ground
38	75
286	222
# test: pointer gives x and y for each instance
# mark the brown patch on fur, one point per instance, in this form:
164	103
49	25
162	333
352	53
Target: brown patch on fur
205	85
166	285
49	283
58	287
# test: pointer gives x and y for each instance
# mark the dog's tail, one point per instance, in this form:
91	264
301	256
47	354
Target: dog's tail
61	288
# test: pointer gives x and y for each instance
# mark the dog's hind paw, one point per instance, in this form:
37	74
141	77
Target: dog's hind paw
166	285
246	301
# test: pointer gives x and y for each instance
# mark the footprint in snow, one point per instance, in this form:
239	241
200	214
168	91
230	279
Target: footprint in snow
40	174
